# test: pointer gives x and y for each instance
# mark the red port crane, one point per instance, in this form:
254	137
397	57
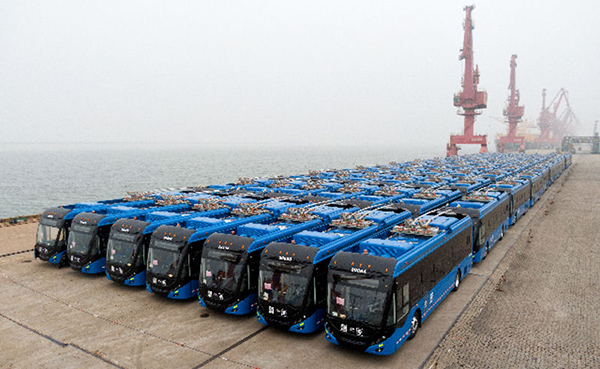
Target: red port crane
544	121
563	125
554	127
469	99
513	114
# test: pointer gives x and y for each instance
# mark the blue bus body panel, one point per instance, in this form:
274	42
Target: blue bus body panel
522	210
243	307
131	213
56	258
408	250
186	291
135	281
426	305
95	267
491	241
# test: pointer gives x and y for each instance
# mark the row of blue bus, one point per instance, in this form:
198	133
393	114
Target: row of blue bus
367	253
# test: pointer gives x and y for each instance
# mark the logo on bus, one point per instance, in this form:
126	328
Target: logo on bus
124	229
285	258
168	238
220	247
358	270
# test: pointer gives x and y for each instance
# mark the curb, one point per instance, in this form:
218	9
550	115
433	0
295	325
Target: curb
23	219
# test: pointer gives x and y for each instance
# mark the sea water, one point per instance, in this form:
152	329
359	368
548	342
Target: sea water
34	177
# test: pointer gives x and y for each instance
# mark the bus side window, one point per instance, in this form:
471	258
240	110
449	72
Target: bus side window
403	301
391	318
481	234
468	246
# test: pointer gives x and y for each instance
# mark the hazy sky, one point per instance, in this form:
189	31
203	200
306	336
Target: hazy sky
281	72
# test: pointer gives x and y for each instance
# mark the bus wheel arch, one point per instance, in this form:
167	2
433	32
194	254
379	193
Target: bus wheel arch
486	251
415	324
457	280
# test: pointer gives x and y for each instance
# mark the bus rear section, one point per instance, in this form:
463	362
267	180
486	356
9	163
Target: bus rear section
537	185
381	291
467	184
519	191
489	211
428	199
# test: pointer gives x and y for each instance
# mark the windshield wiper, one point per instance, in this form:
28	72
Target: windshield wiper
341	278
230	258
280	267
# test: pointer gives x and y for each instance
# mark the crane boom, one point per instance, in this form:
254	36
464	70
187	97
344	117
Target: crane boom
470	98
554	126
513	113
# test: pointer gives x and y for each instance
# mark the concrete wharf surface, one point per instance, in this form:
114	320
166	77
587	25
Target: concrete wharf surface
531	304
539	309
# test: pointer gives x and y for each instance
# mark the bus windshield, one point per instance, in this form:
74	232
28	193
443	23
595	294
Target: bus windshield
163	257
47	235
284	283
79	239
121	248
358	298
220	270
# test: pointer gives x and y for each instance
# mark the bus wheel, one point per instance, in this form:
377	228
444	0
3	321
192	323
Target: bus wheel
64	261
456	281
414	325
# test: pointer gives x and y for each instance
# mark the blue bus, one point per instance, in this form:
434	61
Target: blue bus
292	284
537	184
175	251
519	192
382	290
86	245
55	225
229	266
129	240
489	211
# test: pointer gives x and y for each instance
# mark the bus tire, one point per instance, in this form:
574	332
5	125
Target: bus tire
64	261
456	281
414	324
